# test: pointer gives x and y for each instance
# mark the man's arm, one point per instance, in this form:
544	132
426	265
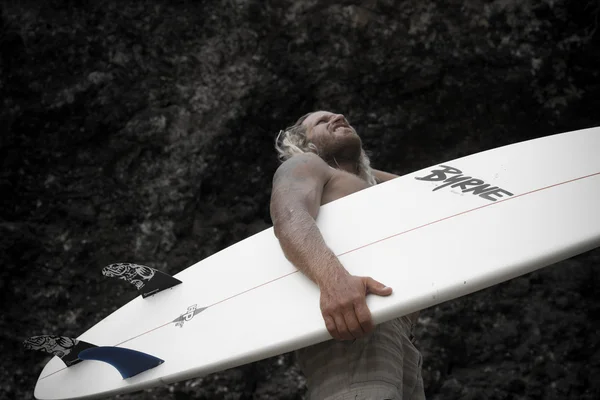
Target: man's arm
295	201
382	176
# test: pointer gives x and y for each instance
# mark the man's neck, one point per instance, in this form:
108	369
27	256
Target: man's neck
351	167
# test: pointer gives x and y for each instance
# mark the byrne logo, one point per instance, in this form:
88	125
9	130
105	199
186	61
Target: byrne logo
454	178
192	311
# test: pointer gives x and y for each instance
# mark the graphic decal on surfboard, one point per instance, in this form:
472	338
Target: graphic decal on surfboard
65	348
192	311
453	177
147	280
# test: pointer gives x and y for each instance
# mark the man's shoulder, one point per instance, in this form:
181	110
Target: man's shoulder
304	166
309	161
310	158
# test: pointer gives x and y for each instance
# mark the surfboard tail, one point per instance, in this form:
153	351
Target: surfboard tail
72	351
66	348
148	281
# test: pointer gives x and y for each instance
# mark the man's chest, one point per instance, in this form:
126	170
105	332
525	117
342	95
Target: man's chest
342	184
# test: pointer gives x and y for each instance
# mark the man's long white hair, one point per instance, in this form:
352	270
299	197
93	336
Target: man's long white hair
292	141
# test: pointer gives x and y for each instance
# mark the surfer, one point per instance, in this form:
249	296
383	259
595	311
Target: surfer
323	160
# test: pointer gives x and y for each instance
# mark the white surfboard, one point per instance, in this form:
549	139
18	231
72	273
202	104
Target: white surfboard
433	235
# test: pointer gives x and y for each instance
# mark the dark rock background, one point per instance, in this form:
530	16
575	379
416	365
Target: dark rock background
143	131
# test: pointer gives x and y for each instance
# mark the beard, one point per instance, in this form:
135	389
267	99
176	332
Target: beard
340	149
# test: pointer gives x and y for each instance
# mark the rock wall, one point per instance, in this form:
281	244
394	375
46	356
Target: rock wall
143	131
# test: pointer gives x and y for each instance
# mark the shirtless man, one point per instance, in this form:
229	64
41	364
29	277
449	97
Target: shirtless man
324	161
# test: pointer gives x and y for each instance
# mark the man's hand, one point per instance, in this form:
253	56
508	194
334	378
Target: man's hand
344	306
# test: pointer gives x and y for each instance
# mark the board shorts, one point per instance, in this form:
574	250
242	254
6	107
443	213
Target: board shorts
382	365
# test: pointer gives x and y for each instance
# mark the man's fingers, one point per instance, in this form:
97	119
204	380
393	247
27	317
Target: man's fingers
364	317
344	308
354	327
330	325
342	329
376	287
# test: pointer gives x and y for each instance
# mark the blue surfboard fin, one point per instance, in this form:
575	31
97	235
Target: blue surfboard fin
128	362
64	347
147	280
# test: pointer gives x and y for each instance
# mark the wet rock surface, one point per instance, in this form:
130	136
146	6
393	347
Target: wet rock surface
143	132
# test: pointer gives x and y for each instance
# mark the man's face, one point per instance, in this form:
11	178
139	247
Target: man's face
333	136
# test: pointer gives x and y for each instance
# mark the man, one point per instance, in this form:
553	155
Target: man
324	161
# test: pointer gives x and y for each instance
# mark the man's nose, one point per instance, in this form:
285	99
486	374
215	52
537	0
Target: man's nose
338	117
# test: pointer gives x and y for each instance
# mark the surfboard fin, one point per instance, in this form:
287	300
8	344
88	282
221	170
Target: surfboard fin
128	362
66	348
147	280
